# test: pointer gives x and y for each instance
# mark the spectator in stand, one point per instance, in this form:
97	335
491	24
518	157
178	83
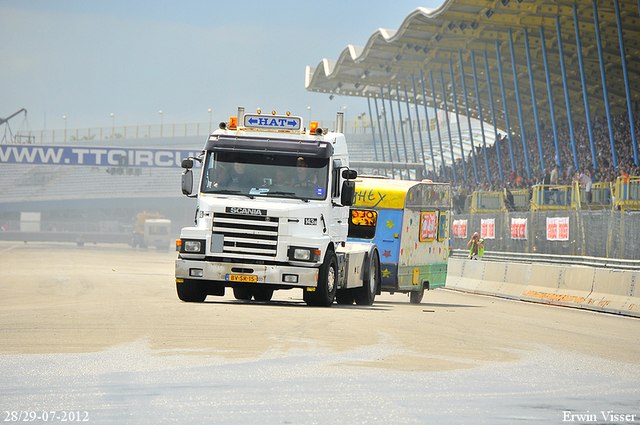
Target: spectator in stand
584	179
554	176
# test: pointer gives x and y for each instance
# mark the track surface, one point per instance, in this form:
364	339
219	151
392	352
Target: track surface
100	329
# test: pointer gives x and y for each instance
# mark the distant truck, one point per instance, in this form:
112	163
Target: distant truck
152	229
273	213
409	223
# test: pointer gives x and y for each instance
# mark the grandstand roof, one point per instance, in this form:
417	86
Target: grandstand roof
434	40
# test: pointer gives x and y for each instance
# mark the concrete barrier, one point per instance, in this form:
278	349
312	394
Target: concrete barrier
607	290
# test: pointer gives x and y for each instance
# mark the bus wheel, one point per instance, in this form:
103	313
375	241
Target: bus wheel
367	293
326	290
415	297
190	291
242	293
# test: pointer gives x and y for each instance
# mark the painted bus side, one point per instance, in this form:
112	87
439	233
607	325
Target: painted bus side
411	230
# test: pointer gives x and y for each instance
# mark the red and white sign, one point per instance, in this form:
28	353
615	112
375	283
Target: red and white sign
459	228
428	227
518	228
488	228
557	228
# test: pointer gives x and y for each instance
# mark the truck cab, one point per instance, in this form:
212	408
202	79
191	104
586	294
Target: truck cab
273	213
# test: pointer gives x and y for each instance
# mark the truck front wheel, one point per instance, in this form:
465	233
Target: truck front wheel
190	291
326	290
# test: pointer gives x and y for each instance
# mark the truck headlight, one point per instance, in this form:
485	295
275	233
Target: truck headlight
304	254
192	246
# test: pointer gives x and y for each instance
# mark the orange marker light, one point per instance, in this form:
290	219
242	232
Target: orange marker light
313	127
233	123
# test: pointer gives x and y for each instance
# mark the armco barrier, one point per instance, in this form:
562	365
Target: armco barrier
606	290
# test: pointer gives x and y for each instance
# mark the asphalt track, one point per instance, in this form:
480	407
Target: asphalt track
99	329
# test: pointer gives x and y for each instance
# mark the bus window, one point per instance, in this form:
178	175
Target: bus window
362	224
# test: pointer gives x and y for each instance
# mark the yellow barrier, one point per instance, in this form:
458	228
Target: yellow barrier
600	196
551	198
627	193
487	202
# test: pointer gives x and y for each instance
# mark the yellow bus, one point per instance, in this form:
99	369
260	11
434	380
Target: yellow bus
409	222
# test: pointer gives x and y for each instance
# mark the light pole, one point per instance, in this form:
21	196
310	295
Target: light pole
309	109
113	126
64	117
161	121
209	111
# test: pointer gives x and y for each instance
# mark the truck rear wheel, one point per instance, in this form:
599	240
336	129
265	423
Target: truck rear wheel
367	293
191	291
326	290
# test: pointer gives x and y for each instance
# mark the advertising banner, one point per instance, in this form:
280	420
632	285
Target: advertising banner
518	228
557	228
460	228
488	228
92	156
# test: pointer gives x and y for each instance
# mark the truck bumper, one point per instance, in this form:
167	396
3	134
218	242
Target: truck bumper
225	272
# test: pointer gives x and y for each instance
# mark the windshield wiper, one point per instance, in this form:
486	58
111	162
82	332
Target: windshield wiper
232	192
290	194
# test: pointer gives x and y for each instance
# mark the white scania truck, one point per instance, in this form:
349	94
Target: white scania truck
273	213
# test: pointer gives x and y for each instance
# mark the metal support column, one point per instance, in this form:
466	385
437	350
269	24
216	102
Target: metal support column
413	142
626	82
585	93
404	143
533	98
435	109
493	116
455	107
566	95
504	106
553	114
446	114
393	127
373	130
518	103
426	115
604	84
415	101
386	129
484	139
466	103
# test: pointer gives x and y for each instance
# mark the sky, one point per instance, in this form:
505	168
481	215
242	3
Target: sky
86	60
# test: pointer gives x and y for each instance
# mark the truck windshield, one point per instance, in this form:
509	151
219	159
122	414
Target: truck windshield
284	176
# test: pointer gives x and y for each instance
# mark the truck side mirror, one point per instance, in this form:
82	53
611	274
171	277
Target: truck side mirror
187	163
348	191
349	174
187	180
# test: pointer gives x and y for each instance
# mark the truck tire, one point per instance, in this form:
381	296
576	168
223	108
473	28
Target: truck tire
366	294
326	290
191	291
262	294
242	294
345	297
415	297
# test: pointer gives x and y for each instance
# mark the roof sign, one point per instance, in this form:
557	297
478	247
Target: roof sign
273	122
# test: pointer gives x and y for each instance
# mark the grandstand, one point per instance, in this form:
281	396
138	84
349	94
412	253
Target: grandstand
558	83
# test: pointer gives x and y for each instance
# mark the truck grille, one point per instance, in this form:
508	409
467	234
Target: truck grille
247	234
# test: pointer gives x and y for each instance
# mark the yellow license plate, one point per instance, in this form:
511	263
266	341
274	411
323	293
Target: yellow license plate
241	278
